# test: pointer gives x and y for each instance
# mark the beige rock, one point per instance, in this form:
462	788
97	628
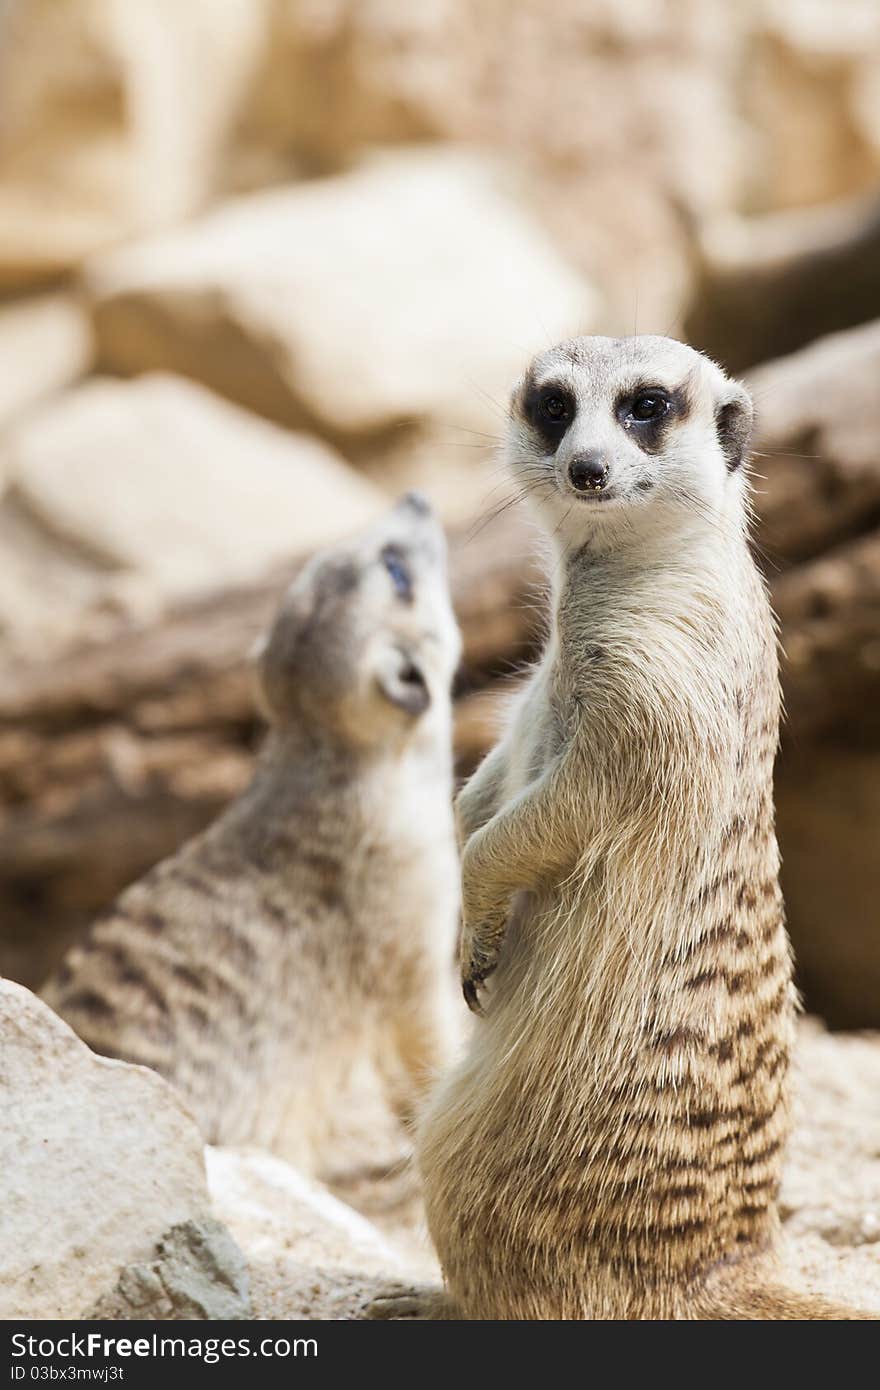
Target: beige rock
45	344
411	289
830	615
622	112
99	1160
185	72
457	464
810	84
51	595
769	285
127	114
160	480
197	1272
830	1200
113	117
309	1255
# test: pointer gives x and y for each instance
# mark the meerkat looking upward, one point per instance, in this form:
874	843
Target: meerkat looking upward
313	925
610	1146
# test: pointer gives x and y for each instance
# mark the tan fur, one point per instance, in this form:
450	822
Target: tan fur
611	1145
312	927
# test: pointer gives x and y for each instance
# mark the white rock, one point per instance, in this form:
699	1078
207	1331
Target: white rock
198	1272
53	596
45	344
388	295
163	480
310	1255
100	1160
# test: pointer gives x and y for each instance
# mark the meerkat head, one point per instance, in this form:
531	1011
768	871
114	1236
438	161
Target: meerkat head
614	436
365	644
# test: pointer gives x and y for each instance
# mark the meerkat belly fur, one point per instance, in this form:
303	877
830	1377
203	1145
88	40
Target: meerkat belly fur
610	1146
314	924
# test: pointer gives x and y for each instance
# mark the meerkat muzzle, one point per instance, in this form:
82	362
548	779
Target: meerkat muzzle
588	473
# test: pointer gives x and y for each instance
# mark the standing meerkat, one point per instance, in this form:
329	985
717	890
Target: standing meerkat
610	1146
313	925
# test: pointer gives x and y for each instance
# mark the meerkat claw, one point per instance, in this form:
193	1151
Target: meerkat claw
473	978
470	986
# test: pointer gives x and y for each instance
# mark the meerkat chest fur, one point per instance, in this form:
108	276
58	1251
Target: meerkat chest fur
644	1004
397	845
664	679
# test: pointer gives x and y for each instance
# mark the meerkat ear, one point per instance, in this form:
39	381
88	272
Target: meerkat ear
734	416
402	681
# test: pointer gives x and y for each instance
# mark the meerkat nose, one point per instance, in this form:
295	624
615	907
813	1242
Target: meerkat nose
416	502
588	473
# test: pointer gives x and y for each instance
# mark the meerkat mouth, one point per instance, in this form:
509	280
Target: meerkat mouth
594	495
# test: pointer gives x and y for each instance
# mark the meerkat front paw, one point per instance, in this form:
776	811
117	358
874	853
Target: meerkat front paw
470	988
484	921
479	957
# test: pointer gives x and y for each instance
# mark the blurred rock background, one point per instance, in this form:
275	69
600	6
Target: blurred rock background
264	263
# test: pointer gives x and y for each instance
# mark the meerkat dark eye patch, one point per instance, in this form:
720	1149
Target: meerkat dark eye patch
549	410
649	405
647	412
399	572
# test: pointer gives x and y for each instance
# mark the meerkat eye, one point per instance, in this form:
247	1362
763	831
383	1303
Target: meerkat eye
401	578
649	405
554	407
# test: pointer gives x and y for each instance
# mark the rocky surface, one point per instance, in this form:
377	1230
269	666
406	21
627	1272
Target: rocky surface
115	116
571	93
828	810
101	1163
151	490
309	1255
817	456
811	84
831	661
198	1272
418	323
107	1213
830	1201
767	285
45	344
633	119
